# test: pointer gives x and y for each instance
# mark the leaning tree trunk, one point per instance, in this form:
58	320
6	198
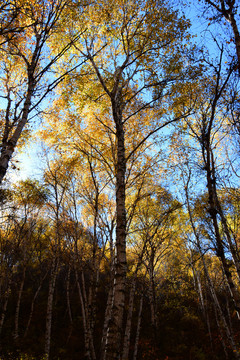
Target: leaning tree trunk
203	307
232	247
217	306
221	334
33	303
214	211
9	144
219	311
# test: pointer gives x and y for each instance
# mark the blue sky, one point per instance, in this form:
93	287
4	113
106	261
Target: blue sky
29	157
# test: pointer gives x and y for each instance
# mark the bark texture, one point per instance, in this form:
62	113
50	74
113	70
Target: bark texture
113	343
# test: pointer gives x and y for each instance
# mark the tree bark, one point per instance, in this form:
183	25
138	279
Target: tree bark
16	330
217	305
52	283
126	340
68	303
113	343
4	309
202	304
152	296
218	308
107	318
138	328
33	303
214	206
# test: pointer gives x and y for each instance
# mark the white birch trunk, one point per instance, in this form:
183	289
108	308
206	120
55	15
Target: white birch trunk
4	309
68	303
126	340
52	284
228	333
32	305
107	318
138	328
113	343
16	330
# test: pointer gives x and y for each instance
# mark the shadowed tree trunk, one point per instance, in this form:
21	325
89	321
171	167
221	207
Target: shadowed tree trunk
49	313
217	305
16	330
138	328
113	341
33	303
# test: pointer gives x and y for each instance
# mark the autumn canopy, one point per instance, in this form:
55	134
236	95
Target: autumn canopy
125	244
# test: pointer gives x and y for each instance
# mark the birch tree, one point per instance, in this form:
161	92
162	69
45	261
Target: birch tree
26	64
135	54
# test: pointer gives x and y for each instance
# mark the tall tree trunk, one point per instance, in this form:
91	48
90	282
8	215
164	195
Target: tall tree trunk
203	306
89	352
88	303
107	315
4	309
152	297
68	303
94	270
126	340
16	330
107	318
86	337
138	328
226	230
52	284
127	334
33	303
222	336
219	310
113	343
213	211
217	305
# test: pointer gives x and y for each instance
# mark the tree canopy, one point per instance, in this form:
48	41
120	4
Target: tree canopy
127	244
